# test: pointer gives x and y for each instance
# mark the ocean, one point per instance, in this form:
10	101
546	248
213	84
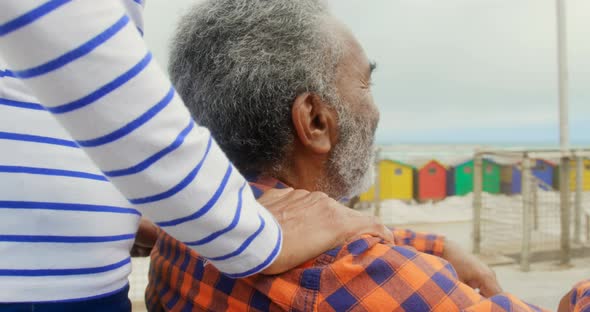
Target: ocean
450	154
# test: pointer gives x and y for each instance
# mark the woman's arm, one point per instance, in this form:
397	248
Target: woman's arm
89	67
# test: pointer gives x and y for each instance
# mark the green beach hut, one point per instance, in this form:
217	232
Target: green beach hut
461	177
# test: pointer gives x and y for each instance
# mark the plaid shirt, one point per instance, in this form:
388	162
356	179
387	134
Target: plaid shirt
364	275
580	297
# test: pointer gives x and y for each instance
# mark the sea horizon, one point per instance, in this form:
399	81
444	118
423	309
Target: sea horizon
453	153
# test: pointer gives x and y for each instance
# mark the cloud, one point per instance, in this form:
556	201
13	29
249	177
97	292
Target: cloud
527	134
471	65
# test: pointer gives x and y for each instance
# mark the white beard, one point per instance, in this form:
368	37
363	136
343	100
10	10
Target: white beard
351	168
364	183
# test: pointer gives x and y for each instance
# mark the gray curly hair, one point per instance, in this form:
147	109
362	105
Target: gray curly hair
239	64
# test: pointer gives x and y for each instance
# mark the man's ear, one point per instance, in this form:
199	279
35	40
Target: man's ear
315	123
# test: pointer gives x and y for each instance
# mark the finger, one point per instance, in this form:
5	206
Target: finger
385	233
382	232
372	226
294	205
315	197
297	196
489	287
490	290
275	198
282	204
286	197
273	195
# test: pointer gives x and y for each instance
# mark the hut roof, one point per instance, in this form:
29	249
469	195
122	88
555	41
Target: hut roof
430	161
399	163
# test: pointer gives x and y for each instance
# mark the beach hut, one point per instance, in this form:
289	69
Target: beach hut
462	178
396	181
506	181
431	181
585	175
511	178
573	175
451	181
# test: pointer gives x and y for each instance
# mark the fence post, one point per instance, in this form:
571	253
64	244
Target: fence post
477	201
527	186
564	188
578	200
377	188
535	204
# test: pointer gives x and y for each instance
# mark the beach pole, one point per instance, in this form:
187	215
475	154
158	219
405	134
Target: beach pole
578	218
377	188
477	201
527	197
563	130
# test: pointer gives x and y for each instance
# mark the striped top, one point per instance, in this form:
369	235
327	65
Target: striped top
82	103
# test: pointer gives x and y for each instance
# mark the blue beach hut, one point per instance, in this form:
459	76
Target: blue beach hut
543	170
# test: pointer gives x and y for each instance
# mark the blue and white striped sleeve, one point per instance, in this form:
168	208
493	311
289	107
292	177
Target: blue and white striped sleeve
88	65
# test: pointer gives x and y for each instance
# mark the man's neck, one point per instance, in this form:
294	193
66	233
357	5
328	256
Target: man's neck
302	173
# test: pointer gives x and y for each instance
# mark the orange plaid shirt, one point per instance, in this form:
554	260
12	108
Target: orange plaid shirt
364	275
580	297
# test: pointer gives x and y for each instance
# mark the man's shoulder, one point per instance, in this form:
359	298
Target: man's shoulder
357	273
369	273
355	255
373	247
369	255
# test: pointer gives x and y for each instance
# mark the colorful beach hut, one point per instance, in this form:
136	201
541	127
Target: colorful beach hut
461	177
585	175
431	181
396	181
573	175
506	178
511	176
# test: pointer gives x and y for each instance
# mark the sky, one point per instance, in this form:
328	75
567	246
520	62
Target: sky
455	71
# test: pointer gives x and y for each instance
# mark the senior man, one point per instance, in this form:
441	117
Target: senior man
285	89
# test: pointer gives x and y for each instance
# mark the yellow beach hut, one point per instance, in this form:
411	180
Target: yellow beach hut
573	175
585	175
396	181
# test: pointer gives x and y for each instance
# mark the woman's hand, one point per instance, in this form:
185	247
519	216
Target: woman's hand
314	223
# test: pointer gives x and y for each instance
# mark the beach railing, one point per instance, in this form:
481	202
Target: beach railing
543	220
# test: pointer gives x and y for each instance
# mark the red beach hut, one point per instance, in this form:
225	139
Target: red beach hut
431	181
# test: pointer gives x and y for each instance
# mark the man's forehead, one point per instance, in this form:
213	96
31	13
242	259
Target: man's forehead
354	57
